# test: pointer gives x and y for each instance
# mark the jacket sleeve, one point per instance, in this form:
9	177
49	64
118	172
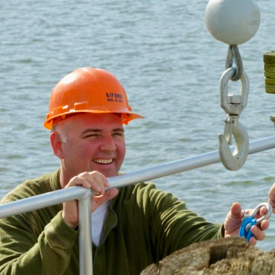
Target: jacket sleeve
173	226
24	250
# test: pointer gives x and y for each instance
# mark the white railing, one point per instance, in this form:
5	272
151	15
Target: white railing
83	195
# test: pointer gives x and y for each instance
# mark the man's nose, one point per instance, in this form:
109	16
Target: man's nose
108	143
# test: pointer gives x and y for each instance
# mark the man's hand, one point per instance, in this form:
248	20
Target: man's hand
271	197
95	181
233	222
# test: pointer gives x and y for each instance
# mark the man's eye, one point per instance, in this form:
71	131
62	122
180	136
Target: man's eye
118	134
91	136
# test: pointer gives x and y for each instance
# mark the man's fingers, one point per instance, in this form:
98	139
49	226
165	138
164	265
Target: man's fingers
78	181
97	178
257	232
236	210
263	211
111	193
264	224
90	180
253	241
108	195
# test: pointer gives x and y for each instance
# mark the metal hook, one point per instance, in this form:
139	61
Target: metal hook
233	106
257	209
236	160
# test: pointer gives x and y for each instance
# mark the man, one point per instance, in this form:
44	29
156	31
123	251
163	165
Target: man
132	227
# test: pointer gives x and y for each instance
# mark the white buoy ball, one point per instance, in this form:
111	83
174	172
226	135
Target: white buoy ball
233	22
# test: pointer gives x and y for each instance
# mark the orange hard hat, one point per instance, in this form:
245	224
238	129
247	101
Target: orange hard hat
88	90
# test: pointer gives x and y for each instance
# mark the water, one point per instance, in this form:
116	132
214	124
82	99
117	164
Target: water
170	67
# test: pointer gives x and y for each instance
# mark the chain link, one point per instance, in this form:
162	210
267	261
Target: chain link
233	56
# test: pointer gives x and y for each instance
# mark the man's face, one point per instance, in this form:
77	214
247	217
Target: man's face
93	142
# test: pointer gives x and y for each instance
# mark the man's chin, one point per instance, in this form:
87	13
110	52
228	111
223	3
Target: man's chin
107	172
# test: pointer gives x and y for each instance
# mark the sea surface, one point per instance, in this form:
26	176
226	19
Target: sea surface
170	66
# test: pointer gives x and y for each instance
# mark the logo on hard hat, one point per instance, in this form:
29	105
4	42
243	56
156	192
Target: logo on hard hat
114	97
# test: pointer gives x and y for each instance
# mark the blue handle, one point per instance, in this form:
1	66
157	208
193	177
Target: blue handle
247	234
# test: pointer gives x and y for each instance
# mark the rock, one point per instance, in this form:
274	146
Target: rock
229	256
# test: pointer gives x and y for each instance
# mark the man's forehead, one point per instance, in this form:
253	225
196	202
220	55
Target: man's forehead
96	118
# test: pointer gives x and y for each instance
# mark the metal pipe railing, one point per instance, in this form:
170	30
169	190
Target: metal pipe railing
41	201
83	195
186	164
85	235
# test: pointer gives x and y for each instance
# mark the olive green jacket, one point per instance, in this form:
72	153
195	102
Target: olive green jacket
142	226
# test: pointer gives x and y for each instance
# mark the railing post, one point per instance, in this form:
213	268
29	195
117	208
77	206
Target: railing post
85	235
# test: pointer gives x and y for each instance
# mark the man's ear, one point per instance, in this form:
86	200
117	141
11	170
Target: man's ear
56	142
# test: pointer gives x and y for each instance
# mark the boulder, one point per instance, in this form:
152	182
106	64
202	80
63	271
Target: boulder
229	256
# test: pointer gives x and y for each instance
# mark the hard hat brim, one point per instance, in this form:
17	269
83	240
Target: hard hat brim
126	117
